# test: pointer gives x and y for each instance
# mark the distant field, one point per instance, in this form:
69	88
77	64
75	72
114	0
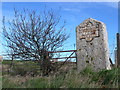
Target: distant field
25	67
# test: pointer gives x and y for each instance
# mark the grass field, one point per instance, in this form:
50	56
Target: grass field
67	78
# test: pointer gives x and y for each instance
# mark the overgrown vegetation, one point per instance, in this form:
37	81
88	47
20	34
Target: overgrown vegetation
68	78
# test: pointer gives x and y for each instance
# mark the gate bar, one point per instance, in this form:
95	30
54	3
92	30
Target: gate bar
63	51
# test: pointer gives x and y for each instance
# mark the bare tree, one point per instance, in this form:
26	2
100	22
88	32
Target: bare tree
30	35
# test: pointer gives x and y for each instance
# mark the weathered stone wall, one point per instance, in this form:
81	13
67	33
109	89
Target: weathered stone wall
92	45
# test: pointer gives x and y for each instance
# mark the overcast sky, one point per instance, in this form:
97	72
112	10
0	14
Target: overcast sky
73	13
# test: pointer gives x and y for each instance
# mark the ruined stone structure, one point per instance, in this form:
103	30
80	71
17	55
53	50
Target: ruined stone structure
92	45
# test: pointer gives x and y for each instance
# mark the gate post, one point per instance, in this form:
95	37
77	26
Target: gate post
118	49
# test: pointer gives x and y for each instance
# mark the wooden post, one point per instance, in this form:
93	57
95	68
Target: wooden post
118	50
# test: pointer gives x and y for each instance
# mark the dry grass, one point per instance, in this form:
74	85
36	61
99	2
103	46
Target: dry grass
65	78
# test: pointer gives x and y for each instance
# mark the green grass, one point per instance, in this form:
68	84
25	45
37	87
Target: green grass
20	68
7	82
17	62
27	75
73	79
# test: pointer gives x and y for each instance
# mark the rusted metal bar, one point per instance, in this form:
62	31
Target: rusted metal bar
66	59
63	51
63	57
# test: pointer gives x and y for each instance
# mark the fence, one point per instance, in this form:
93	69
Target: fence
73	51
25	66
